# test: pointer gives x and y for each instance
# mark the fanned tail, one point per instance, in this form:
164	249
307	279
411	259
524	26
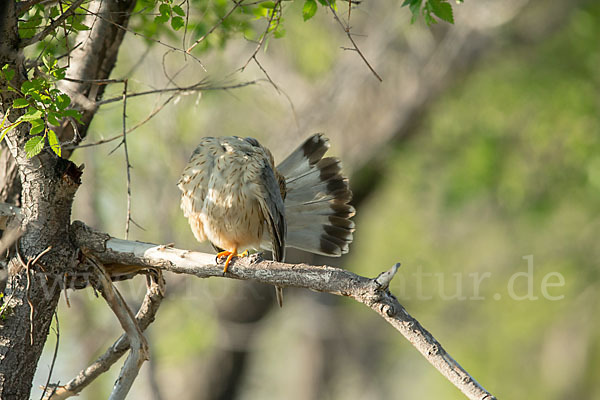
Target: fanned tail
316	203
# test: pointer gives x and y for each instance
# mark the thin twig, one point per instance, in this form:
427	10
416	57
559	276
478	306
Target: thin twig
57	331
94	81
185	28
127	164
264	35
65	276
146	37
52	27
165	72
278	89
196	87
120	135
26	5
347	31
68	53
64	26
215	26
264	71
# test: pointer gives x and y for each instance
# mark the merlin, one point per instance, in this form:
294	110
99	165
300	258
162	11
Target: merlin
236	198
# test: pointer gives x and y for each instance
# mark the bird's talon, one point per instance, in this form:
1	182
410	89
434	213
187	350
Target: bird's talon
230	255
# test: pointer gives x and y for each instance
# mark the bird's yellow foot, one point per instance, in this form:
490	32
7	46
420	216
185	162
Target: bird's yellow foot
230	255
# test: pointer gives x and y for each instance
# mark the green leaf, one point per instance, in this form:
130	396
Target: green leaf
178	10
5	130
442	10
5	118
34	146
63	101
177	23
80	26
54	142
26	87
35	129
47	100
31	114
161	19
429	20
8	72
59	73
268	4
279	33
309	10
165	9
49	61
34	85
260	12
54	12
20	103
35	95
54	118
73	114
37	122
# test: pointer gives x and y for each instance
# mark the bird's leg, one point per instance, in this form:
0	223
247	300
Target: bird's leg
230	255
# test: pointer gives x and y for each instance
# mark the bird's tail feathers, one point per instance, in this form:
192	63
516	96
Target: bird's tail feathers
316	203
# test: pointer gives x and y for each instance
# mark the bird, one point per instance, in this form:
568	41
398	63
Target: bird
235	197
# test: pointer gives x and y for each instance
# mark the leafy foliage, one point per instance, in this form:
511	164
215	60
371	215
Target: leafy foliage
309	10
45	105
59	41
155	18
310	7
430	9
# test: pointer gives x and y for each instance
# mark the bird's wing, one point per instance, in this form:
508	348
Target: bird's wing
194	180
273	209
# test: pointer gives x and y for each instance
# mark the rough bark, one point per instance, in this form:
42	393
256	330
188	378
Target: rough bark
46	185
33	285
93	61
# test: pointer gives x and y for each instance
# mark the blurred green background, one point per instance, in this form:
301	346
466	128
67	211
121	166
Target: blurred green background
478	170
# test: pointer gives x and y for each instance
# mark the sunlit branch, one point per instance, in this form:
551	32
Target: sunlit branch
374	293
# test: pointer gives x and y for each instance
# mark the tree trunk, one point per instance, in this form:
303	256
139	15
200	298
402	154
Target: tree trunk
46	185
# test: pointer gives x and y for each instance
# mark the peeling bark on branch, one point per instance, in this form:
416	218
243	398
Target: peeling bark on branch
373	293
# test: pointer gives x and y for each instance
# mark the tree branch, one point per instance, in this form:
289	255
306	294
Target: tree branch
371	292
137	341
144	317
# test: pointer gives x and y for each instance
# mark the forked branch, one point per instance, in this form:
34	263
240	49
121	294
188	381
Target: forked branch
145	316
137	342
